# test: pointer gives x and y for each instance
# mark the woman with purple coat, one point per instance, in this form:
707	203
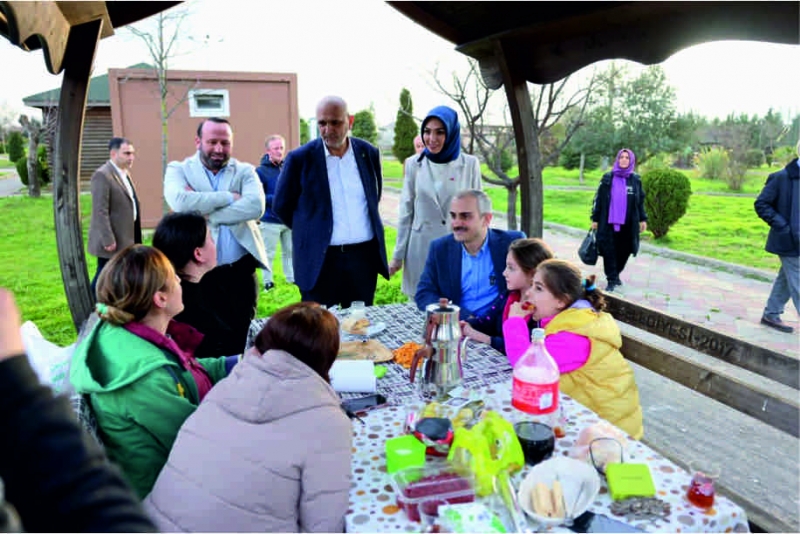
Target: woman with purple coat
618	216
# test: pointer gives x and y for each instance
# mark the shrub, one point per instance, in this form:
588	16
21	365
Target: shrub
662	160
754	158
667	193
783	155
364	126
305	131
42	167
16	146
571	159
506	160
712	163
2	147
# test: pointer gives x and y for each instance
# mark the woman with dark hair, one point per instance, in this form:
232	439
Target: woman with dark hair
185	239
584	341
618	216
431	181
272	439
137	364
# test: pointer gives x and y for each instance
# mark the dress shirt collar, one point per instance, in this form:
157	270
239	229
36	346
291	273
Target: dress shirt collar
328	152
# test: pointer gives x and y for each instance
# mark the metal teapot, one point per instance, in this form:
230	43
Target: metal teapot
440	360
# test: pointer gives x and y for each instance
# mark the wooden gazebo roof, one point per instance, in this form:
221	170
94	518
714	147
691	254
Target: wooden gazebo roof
545	41
515	42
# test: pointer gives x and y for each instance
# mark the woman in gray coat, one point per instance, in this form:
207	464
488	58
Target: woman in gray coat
431	181
269	448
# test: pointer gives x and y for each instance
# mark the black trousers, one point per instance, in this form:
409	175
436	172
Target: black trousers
101	262
614	260
233	290
349	272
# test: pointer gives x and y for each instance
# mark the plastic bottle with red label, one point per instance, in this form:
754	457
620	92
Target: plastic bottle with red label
535	387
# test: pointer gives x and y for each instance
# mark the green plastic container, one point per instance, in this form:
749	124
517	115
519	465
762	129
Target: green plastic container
403	452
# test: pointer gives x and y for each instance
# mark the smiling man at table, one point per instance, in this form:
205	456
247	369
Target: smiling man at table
467	266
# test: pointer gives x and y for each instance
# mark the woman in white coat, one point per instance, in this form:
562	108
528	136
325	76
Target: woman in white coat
431	180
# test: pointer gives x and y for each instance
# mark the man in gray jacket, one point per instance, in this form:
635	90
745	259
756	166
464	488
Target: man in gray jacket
229	194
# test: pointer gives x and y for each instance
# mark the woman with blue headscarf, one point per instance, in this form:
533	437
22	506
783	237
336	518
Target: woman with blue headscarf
618	216
430	182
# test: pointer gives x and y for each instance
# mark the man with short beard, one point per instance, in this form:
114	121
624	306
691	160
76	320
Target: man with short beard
229	194
466	266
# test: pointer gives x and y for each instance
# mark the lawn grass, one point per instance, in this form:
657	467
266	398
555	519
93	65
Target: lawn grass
5	163
722	227
29	267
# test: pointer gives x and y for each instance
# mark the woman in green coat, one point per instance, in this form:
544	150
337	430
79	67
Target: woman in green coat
136	365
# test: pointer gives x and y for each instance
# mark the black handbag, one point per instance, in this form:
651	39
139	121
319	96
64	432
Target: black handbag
588	249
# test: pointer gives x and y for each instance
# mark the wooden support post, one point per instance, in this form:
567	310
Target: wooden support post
527	139
78	60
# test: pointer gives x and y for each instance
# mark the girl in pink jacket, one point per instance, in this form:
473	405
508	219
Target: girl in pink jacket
539	303
583	340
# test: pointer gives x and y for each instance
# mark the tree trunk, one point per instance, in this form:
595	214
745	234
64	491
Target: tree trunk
583	161
34	189
164	134
511	209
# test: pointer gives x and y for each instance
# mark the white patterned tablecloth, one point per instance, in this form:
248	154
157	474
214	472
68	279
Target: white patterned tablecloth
373	506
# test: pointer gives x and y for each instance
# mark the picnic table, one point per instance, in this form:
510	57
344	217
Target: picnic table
487	375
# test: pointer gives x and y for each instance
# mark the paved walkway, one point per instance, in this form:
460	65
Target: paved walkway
725	297
10	185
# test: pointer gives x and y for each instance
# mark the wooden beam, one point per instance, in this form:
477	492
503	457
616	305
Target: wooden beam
772	406
78	60
526	137
770	364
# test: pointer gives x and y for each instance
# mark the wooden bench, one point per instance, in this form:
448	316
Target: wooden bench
709	394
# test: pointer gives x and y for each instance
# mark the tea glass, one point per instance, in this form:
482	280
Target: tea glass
701	488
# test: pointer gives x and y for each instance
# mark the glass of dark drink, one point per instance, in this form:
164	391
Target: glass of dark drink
537	439
701	489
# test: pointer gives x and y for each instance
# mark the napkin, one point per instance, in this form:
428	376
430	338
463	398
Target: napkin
353	376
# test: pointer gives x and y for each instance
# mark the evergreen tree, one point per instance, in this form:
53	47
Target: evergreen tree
305	131
405	128
15	146
364	126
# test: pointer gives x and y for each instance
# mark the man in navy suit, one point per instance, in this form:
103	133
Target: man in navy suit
328	194
467	266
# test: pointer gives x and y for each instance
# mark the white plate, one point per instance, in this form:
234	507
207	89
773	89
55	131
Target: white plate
372	330
570	473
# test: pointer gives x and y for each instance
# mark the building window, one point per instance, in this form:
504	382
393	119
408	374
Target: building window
209	103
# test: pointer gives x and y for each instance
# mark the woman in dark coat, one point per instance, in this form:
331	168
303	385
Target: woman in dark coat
618	216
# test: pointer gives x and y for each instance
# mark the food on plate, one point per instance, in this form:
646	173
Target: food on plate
405	353
548	502
356	326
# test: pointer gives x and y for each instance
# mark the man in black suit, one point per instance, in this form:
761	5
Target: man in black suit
328	194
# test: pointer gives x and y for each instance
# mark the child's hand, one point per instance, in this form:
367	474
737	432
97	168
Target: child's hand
520	309
474	335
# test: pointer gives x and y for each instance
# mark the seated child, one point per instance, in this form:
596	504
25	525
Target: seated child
583	340
523	256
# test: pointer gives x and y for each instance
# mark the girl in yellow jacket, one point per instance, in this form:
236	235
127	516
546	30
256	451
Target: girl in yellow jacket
583	339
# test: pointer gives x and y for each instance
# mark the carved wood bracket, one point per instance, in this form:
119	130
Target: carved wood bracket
47	25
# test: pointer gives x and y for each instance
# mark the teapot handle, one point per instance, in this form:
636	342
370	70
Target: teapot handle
420	356
463	349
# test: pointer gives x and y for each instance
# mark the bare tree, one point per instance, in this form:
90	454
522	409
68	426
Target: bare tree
549	103
163	36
